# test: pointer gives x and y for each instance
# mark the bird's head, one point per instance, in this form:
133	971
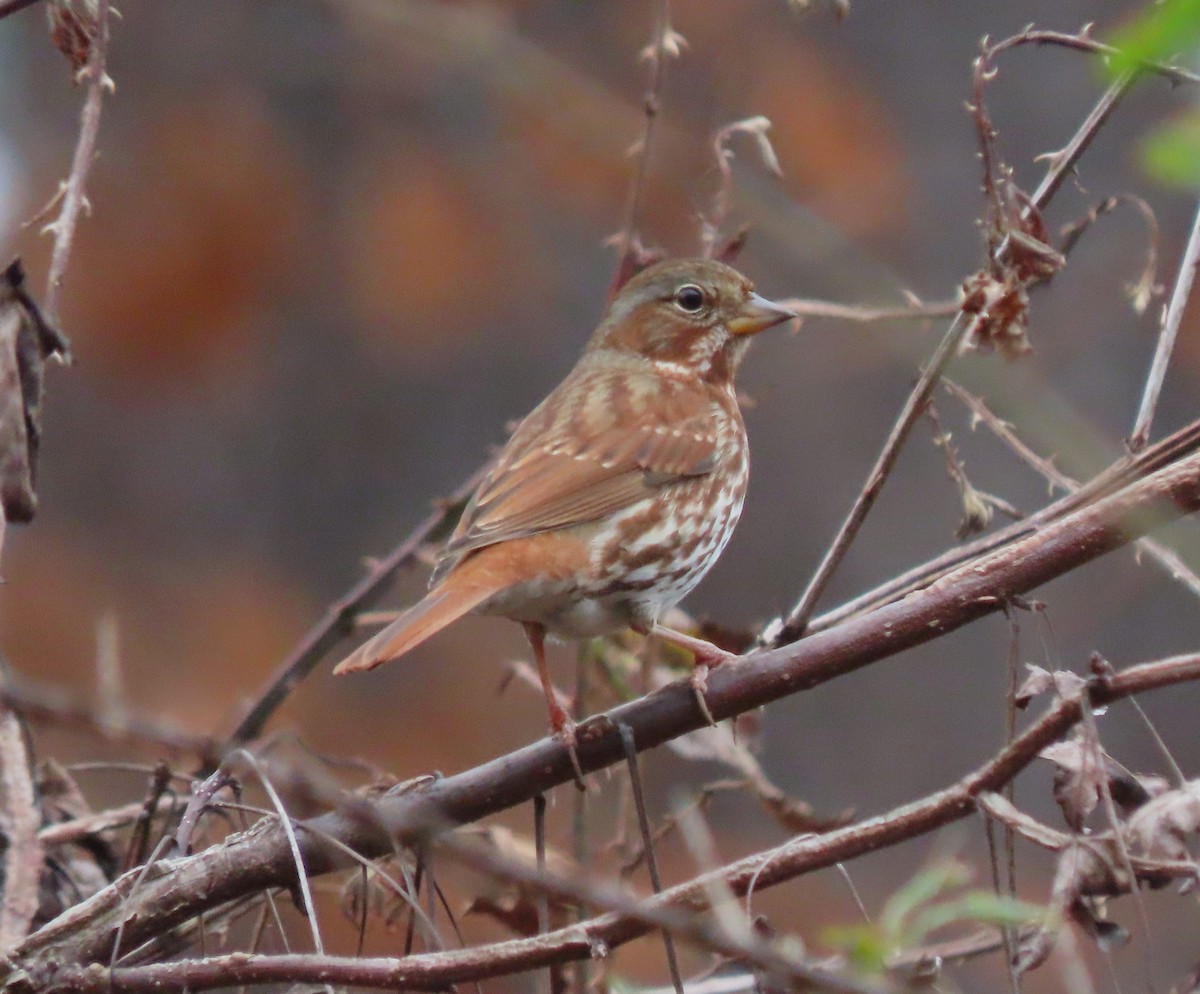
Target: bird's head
691	315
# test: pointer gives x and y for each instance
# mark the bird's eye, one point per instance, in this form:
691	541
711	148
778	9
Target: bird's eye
689	298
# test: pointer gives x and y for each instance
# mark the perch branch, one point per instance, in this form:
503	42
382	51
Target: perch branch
595	937
177	890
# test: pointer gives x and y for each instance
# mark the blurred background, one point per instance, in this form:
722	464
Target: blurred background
336	247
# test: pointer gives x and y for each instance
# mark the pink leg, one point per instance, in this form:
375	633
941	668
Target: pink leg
706	657
560	721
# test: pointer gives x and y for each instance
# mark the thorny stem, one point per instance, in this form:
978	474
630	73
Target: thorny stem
74	196
1165	558
658	56
802	855
1061	164
1166	338
261	858
1063	161
1082	42
795	623
1117	475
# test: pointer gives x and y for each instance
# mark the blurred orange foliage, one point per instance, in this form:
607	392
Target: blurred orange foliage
199	221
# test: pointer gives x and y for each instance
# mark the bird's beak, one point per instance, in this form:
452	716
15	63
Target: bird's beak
758	314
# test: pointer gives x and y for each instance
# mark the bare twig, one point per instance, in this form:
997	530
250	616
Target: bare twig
793	626
74	193
24	853
94	824
12	6
598	935
664	45
1166	558
51	706
1166	338
639	800
1117	475
339	619
807	307
262	858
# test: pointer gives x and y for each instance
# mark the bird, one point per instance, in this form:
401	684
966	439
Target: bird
615	496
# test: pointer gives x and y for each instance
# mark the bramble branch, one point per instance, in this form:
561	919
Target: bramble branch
596	936
176	890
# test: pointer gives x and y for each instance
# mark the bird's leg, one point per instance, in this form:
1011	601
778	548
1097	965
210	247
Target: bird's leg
705	656
560	721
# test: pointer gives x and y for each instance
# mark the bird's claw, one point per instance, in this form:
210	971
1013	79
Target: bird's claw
564	730
699	681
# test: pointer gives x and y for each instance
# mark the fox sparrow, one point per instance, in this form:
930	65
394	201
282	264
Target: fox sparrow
619	491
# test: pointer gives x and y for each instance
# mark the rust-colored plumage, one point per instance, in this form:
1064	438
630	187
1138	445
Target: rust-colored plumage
615	496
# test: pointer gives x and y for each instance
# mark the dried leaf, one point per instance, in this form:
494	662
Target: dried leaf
1037	682
374	894
1078	781
1159	829
515	905
26	341
1003	307
1093	867
1064	683
74	26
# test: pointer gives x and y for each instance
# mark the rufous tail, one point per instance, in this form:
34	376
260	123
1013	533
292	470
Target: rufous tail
443	605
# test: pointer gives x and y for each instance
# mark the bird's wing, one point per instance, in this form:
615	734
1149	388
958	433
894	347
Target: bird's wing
602	441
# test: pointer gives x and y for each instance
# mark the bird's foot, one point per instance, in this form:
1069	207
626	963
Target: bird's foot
564	731
705	656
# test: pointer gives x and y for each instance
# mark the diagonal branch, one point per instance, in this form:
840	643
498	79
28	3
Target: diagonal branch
1166	338
801	855
961	329
1165	558
177	890
74	196
339	618
1119	474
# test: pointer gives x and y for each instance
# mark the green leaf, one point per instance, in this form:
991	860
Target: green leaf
1165	31
864	946
983	907
922	889
1171	153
